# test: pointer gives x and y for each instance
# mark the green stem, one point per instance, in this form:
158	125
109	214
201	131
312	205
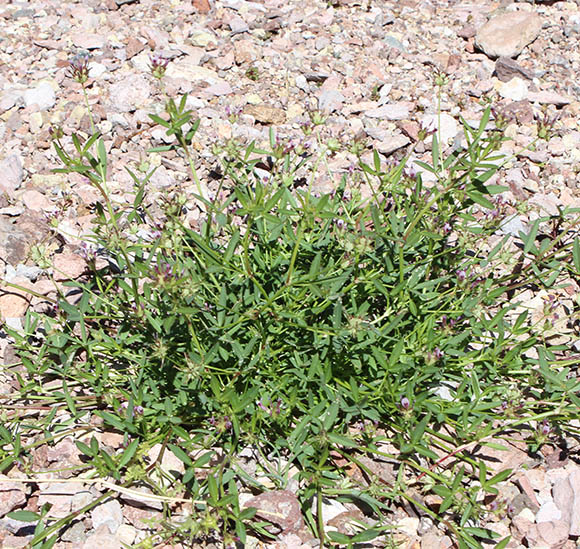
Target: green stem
319	516
89	109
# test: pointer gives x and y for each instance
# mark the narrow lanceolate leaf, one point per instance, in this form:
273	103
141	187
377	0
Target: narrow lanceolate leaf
576	254
531	237
181	455
159	120
102	154
24	516
233	244
129	453
435	152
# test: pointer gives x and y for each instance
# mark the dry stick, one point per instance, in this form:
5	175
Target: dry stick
127	491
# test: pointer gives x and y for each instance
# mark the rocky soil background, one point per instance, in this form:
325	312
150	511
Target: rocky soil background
369	66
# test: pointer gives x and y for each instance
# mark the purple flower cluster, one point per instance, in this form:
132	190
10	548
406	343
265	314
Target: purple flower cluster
158	66
222	424
124	406
272	410
164	273
79	67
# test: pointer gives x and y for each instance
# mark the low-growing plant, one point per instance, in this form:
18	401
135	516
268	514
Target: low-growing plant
312	327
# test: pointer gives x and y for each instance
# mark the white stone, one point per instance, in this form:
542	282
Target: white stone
548	512
445	125
331	509
96	70
391	111
109	514
192	72
202	38
516	89
127	534
409	526
42	95
302	83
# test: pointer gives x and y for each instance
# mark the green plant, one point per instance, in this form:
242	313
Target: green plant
311	327
253	73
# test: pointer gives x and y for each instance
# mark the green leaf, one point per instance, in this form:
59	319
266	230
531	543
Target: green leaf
86	450
502	475
248	513
576	254
49	543
24	516
234	240
435	151
203	460
425	166
330	416
159	120
366	535
241	531
213	489
69	401
341	440
419	429
503	543
484	533
94	445
376	161
483	122
448	501
181	455
102	154
77	143
129	452
108	462
337	537
530	238
496	446
496	189
478	198
482	472
161	148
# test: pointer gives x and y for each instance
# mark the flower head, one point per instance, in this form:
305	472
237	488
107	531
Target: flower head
55	132
79	67
545	429
410	171
428	127
158	66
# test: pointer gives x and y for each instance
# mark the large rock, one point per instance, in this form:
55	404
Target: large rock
508	34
